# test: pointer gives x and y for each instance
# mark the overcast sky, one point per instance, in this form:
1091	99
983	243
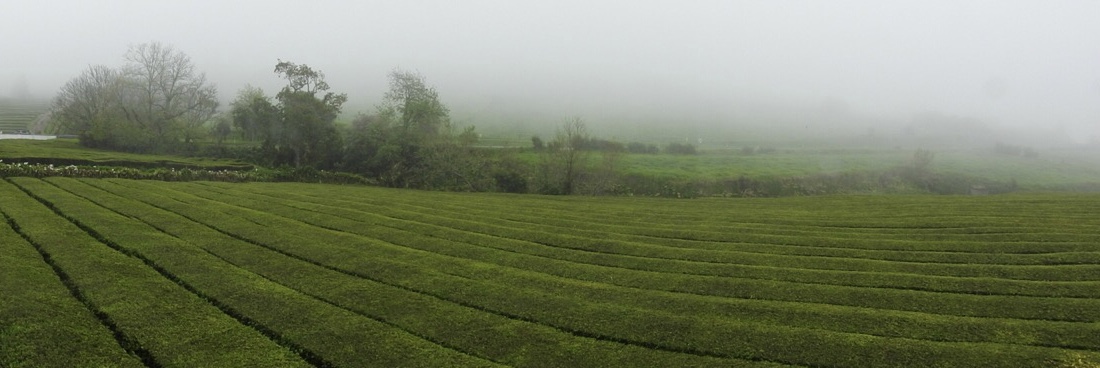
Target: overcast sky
1009	62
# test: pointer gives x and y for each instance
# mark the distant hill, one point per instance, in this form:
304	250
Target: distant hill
17	115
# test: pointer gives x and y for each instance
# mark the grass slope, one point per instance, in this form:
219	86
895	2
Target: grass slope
1053	169
360	276
17	115
69	152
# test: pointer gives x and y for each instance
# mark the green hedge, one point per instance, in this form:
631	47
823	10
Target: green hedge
512	291
156	319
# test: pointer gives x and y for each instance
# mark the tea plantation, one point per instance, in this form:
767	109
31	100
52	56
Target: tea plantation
114	272
16	115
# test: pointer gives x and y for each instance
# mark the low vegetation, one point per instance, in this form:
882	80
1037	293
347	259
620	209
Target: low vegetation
306	274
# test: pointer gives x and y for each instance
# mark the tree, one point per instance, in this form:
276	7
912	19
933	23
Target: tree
89	106
565	159
409	142
605	176
537	144
154	101
221	129
254	115
164	95
307	133
414	106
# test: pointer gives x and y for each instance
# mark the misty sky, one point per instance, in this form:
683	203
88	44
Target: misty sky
1017	63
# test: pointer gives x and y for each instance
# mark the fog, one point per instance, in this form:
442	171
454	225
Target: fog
821	67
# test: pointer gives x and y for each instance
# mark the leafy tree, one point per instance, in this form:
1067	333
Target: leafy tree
253	114
410	142
371	149
306	134
414	106
537	143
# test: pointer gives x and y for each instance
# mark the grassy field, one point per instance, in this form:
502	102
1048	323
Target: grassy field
1050	171
69	152
143	273
17	115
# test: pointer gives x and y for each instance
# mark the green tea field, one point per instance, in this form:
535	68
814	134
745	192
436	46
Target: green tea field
112	272
69	152
18	115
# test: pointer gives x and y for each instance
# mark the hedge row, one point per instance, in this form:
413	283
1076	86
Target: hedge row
154	317
200	257
599	245
42	324
906	281
512	291
501	338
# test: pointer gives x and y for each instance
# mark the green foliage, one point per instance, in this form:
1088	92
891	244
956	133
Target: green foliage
356	276
41	322
255	116
411	143
537	144
307	135
413	107
565	160
156	102
221	128
126	294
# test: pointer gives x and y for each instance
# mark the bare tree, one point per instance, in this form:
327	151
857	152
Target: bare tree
164	93
603	177
565	159
87	100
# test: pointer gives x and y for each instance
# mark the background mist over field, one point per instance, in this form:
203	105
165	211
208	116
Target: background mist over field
709	67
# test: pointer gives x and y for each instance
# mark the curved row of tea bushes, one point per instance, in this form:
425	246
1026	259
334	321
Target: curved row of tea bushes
153	317
325	247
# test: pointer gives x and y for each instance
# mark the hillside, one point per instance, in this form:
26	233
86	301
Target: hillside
16	115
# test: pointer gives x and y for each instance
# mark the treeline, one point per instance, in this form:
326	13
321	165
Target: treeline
157	102
604	145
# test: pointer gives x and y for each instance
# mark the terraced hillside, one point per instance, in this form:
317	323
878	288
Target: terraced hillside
17	115
139	273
